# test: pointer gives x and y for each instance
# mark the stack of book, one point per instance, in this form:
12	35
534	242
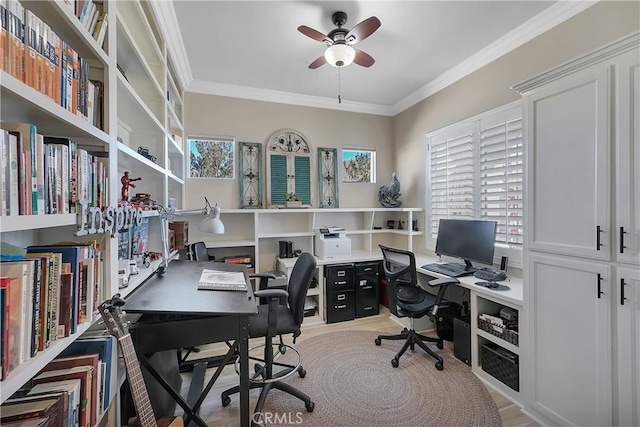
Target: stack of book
72	390
241	259
45	296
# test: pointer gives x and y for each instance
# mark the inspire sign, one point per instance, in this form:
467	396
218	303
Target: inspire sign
110	219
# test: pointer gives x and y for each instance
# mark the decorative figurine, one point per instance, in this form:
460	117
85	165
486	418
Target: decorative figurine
388	194
126	183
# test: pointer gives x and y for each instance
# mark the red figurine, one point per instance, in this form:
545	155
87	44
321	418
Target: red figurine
126	183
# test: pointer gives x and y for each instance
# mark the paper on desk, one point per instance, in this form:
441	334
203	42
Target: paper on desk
216	277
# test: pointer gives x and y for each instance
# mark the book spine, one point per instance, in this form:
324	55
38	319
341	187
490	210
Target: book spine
40	173
14	199
4	172
35	312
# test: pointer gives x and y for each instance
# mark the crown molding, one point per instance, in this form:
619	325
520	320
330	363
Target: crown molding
539	24
268	95
168	23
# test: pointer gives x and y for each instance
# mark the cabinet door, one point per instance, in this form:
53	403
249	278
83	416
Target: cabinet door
571	339
627	229
627	329
568	165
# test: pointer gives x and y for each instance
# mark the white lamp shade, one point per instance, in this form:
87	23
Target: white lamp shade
339	55
212	223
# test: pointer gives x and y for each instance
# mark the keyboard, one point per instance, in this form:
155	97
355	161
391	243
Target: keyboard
450	269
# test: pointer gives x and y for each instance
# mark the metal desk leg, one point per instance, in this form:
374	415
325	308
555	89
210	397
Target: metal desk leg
243	349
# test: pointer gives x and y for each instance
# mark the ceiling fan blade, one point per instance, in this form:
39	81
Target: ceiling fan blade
363	59
318	62
362	30
314	34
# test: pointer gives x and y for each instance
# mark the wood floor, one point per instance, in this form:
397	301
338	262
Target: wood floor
215	415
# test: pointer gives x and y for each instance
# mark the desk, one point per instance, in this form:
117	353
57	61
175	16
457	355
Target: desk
174	309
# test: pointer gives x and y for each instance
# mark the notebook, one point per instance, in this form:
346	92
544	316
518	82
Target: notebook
215	280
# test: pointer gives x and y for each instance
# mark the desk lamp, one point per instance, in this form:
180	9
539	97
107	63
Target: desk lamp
210	224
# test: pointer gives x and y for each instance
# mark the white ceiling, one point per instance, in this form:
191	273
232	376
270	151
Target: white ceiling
252	49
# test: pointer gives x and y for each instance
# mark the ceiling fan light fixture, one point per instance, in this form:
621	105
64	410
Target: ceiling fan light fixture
340	55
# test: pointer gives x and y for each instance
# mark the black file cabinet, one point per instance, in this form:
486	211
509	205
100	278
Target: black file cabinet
367	289
339	293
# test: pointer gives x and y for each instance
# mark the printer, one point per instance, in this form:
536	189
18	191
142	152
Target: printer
332	242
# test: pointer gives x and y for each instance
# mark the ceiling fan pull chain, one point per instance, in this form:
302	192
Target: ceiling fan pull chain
339	88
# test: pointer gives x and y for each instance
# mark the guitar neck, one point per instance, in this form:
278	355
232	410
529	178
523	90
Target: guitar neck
136	382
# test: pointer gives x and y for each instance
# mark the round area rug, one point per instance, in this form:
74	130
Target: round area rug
352	383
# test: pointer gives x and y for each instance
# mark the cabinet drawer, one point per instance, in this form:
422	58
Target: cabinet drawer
340	306
339	277
367	269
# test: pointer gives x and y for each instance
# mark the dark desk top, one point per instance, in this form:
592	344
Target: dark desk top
176	292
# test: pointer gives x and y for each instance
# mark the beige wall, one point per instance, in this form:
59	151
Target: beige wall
400	141
490	86
255	121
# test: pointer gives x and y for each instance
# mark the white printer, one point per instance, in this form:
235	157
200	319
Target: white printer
332	242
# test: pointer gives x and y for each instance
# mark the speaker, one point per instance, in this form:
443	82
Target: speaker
285	249
462	339
504	261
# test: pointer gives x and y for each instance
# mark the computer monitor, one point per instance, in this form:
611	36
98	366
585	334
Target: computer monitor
469	240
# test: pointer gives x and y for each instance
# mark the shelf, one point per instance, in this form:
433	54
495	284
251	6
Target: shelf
133	108
502	343
173	117
284	235
175	178
68	27
26	370
132	160
229	243
20	101
34	222
173	147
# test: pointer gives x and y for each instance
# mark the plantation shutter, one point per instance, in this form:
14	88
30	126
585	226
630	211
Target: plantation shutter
278	172
302	175
452	175
501	175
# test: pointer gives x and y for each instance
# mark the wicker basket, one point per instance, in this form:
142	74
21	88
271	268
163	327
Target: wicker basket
501	364
503	333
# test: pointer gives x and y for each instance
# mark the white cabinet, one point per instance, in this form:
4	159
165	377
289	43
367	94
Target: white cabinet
583	179
570	308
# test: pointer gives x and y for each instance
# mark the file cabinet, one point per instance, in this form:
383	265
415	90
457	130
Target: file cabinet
339	293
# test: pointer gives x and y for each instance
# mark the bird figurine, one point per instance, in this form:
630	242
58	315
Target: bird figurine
388	194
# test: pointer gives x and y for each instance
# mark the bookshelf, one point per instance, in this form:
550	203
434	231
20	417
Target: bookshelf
142	106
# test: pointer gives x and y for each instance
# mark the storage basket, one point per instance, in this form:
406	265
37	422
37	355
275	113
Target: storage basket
501	332
501	364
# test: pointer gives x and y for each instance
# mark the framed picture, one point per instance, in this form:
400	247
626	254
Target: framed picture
358	165
211	158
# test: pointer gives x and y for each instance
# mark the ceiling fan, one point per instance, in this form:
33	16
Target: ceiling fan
340	52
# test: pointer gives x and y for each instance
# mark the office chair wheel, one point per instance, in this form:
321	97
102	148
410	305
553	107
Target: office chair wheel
440	345
302	373
394	362
310	407
282	348
378	341
226	400
439	366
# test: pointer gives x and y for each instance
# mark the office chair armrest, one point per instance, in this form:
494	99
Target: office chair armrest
443	282
262	276
271	293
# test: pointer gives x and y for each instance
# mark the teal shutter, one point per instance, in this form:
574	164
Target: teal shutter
278	179
303	179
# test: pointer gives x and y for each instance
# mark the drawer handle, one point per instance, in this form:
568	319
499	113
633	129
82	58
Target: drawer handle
341	306
341	273
622	297
344	282
341	297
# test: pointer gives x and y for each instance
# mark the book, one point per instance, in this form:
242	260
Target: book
4	326
4	36
71	388
102	346
215	280
139	238
28	166
48	406
18	326
83	368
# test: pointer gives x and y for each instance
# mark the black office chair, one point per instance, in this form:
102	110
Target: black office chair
408	299
277	319
198	252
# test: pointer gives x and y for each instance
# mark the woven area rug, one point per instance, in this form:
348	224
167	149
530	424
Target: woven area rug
352	383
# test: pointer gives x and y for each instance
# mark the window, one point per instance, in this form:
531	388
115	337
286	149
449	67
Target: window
358	165
475	171
211	158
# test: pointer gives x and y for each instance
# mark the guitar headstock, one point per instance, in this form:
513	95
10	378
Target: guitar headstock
114	317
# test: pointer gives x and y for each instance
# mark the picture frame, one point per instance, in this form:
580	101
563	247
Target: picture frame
211	157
